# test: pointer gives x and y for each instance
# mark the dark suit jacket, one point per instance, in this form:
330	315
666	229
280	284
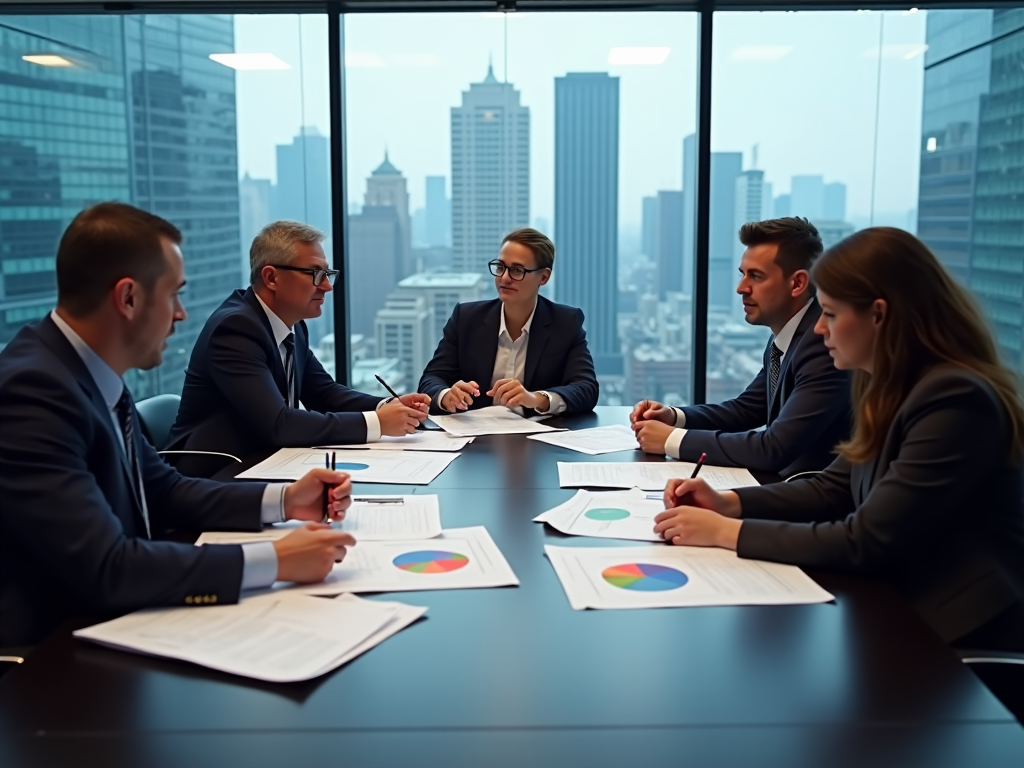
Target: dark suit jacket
938	513
557	357
70	520
809	415
234	398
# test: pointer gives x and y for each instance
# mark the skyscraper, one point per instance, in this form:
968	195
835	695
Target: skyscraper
587	207
689	209
807	197
752	195
669	252
303	191
725	167
254	213
403	331
387	187
490	148
834	208
649	227
374	263
438	213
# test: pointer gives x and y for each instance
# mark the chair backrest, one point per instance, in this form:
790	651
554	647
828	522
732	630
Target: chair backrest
157	415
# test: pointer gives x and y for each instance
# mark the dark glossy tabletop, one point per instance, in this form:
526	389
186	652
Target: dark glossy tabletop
515	677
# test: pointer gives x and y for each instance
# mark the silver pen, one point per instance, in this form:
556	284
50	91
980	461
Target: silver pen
379	500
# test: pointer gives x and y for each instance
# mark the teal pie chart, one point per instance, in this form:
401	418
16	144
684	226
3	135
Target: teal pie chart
605	514
350	466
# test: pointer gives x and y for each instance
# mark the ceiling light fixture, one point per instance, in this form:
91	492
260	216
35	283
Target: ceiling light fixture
47	60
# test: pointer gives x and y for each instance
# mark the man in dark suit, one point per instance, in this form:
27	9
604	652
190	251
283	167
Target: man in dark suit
799	397
251	365
83	493
529	352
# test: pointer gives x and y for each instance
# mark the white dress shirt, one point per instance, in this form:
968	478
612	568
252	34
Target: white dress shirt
260	558
281	331
782	340
510	363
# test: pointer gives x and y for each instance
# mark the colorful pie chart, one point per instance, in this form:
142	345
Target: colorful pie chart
606	513
351	466
431	561
644	577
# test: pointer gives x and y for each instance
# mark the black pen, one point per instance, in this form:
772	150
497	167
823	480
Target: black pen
331	465
696	469
385	385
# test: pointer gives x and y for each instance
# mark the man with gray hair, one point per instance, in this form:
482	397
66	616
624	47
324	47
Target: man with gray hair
252	364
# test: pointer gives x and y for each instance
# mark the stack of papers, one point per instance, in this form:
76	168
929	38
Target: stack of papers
666	576
493	420
417	441
617	437
370	518
280	637
648	475
400	467
608	515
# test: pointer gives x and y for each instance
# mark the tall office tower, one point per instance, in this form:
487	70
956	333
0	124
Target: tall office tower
375	252
442	291
254	214
303	191
403	331
669	251
834	202
438	213
386	187
751	193
490	135
689	208
782	206
649	227
807	197
725	167
587	207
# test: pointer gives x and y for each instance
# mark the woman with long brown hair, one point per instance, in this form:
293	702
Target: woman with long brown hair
927	493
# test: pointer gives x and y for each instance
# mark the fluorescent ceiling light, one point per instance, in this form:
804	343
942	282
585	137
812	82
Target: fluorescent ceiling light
650	56
932	144
48	60
760	54
249	60
364	60
904	51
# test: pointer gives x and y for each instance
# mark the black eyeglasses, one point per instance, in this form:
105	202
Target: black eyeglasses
498	268
318	275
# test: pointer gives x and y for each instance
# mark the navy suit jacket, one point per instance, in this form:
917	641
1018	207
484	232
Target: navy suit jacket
72	537
234	398
557	357
937	512
804	422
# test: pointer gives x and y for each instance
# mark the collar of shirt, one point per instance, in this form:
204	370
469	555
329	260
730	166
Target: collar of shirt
785	336
277	326
526	326
107	381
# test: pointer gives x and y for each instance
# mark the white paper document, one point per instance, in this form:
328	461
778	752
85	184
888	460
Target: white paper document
280	637
666	576
492	420
648	475
370	518
434	440
399	467
617	437
607	515
460	558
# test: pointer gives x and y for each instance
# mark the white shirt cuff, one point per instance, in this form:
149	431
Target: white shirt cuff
673	441
680	417
440	397
272	507
260	568
556	404
372	426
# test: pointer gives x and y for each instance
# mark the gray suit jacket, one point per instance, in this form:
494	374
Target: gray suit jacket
938	513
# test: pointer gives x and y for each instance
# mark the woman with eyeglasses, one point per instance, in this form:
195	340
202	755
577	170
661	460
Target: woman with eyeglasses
927	492
519	350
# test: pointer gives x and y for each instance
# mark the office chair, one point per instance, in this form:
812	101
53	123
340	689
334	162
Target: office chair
1002	673
157	415
801	475
9	659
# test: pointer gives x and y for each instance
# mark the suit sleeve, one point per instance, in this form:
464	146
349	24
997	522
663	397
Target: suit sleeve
320	392
238	368
55	509
819	398
580	390
953	438
443	369
746	411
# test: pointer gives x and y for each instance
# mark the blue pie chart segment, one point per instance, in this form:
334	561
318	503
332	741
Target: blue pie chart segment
350	466
644	577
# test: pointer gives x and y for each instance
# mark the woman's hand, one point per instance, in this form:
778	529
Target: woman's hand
696	527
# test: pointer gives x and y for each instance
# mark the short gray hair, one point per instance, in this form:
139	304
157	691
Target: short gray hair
275	244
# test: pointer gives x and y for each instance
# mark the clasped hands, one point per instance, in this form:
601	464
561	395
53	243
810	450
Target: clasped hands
652	423
507	392
696	515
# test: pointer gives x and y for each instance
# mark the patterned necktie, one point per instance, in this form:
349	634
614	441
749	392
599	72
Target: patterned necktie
776	366
124	416
289	369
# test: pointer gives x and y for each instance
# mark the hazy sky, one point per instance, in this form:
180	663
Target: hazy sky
802	86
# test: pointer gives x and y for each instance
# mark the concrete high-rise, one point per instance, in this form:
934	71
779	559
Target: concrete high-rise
303	190
587	207
374	263
490	156
834	202
722	279
807	197
254	197
689	209
403	331
649	227
386	187
670	246
438	213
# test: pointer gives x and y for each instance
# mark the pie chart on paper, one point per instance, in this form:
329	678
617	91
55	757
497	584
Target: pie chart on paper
350	466
430	561
644	577
605	514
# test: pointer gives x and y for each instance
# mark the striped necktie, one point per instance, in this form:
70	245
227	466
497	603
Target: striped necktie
292	399
776	367
126	419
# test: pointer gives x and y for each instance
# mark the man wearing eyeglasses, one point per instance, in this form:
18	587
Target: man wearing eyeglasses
519	350
251	365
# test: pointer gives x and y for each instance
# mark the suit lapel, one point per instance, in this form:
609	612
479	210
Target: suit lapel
301	351
539	334
806	325
276	366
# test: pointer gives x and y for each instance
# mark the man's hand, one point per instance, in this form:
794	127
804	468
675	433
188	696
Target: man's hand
650	410
460	396
397	418
308	554
652	436
695	527
303	499
696	492
417	401
511	393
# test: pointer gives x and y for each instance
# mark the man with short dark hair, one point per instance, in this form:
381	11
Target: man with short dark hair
83	495
530	353
251	365
799	398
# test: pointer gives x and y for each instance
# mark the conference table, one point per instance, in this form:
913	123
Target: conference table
515	677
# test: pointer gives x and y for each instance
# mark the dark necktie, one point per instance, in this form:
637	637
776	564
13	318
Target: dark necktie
776	367
124	416
289	370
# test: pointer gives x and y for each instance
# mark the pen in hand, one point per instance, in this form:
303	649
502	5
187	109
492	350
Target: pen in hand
385	385
696	471
330	462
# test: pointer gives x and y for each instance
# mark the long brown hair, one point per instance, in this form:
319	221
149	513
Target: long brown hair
931	319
